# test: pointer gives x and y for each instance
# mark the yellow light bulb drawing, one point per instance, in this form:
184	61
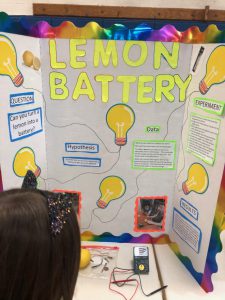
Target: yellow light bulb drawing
197	180
215	70
111	188
120	118
8	61
25	160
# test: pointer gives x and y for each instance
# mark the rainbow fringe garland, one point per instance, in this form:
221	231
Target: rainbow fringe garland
93	30
144	32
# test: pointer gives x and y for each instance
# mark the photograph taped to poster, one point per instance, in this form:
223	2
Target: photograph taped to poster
150	214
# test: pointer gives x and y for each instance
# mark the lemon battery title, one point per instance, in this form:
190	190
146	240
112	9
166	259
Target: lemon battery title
149	87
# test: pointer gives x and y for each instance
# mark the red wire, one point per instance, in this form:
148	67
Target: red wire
122	281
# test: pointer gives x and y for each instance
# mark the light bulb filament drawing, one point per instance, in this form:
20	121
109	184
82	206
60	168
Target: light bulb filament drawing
9	67
29	166
215	70
120	127
107	195
8	61
191	182
111	188
120	118
24	160
197	180
211	75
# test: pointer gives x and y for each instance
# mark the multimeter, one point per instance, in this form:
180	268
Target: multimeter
141	259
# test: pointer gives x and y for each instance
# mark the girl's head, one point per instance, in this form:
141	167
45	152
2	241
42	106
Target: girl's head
36	264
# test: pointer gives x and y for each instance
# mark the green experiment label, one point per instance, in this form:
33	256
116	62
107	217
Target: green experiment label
209	105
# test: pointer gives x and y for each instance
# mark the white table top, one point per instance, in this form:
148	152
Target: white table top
180	281
92	288
175	275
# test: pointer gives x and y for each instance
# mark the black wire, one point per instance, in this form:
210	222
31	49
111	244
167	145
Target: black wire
120	284
153	292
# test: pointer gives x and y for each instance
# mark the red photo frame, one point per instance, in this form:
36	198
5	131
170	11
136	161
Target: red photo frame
150	214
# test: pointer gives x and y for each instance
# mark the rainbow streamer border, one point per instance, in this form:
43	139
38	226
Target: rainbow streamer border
93	30
167	33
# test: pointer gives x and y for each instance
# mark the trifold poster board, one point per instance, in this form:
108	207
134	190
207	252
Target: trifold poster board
136	127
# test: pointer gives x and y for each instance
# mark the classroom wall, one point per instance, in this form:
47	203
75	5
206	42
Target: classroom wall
24	7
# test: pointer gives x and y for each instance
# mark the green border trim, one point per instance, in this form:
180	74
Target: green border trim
219	113
216	144
154	141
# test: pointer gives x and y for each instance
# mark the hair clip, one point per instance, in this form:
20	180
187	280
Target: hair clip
29	181
59	204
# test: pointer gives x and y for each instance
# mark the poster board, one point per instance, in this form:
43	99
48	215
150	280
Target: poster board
126	124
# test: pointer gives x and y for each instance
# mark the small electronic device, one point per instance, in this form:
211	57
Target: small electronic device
141	259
